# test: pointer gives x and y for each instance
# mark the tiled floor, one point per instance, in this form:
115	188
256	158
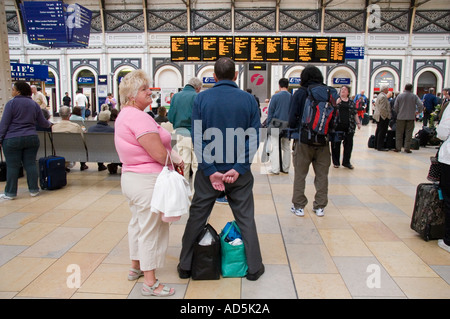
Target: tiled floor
362	248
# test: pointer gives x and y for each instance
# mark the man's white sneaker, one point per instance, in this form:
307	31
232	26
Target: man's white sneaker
319	212
297	211
3	196
443	245
34	194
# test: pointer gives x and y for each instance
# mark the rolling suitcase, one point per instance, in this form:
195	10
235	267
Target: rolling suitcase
428	215
52	172
366	119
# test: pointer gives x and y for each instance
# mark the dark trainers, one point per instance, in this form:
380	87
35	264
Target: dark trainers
256	275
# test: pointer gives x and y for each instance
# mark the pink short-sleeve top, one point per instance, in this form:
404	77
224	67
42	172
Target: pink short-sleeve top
131	124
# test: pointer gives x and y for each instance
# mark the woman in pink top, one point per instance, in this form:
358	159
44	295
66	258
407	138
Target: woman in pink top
143	146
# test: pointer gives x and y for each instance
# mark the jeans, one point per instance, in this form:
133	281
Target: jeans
83	111
20	151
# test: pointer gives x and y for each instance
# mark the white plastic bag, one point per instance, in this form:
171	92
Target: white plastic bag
171	196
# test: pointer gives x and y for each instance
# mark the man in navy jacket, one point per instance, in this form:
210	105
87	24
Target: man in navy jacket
225	133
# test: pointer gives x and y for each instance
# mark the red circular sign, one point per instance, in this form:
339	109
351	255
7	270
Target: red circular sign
257	79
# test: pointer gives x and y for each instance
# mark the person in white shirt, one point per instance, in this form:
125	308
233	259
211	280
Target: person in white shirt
443	133
39	97
81	101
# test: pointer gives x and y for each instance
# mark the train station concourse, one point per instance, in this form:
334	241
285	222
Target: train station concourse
362	248
72	242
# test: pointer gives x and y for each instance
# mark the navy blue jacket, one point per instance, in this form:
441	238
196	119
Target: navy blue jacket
225	122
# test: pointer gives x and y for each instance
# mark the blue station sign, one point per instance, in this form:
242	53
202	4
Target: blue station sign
29	72
56	24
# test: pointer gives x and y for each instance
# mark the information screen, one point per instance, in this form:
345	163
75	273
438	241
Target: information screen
226	47
210	48
321	50
289	49
306	49
194	48
273	49
241	49
56	24
337	50
178	48
257	49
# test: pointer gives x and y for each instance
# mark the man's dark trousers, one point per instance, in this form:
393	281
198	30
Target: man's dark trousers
240	199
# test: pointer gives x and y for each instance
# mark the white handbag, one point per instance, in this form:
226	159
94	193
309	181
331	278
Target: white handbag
171	195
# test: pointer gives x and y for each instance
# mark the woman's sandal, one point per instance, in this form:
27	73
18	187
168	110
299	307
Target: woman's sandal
136	274
150	291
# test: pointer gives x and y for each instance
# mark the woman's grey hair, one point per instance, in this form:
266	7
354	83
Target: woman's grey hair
130	85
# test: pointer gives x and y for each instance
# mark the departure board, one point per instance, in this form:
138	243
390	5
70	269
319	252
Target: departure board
226	47
241	49
210	48
306	49
337	50
321	50
257	49
193	48
289	49
177	48
273	49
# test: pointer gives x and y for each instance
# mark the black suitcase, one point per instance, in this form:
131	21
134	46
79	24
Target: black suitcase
52	172
366	119
389	142
371	142
428	216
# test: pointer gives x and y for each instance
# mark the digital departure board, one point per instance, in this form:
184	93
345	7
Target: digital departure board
241	49
289	49
321	49
273	49
257	49
306	49
193	48
337	50
210	48
177	48
226	47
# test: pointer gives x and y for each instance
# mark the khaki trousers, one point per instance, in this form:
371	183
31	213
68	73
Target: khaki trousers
320	158
404	127
185	149
148	235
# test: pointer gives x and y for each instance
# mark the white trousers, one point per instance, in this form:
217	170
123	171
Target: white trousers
148	235
275	155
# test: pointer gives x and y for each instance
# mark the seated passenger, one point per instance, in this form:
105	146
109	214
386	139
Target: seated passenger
66	126
103	127
76	114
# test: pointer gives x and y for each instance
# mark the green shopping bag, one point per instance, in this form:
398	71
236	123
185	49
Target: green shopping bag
234	262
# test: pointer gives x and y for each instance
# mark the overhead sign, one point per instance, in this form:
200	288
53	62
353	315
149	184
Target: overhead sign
258	49
29	72
56	24
354	53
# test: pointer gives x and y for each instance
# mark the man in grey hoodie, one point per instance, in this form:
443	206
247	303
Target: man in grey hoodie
407	104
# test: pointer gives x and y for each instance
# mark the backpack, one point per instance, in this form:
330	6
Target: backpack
319	115
360	105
